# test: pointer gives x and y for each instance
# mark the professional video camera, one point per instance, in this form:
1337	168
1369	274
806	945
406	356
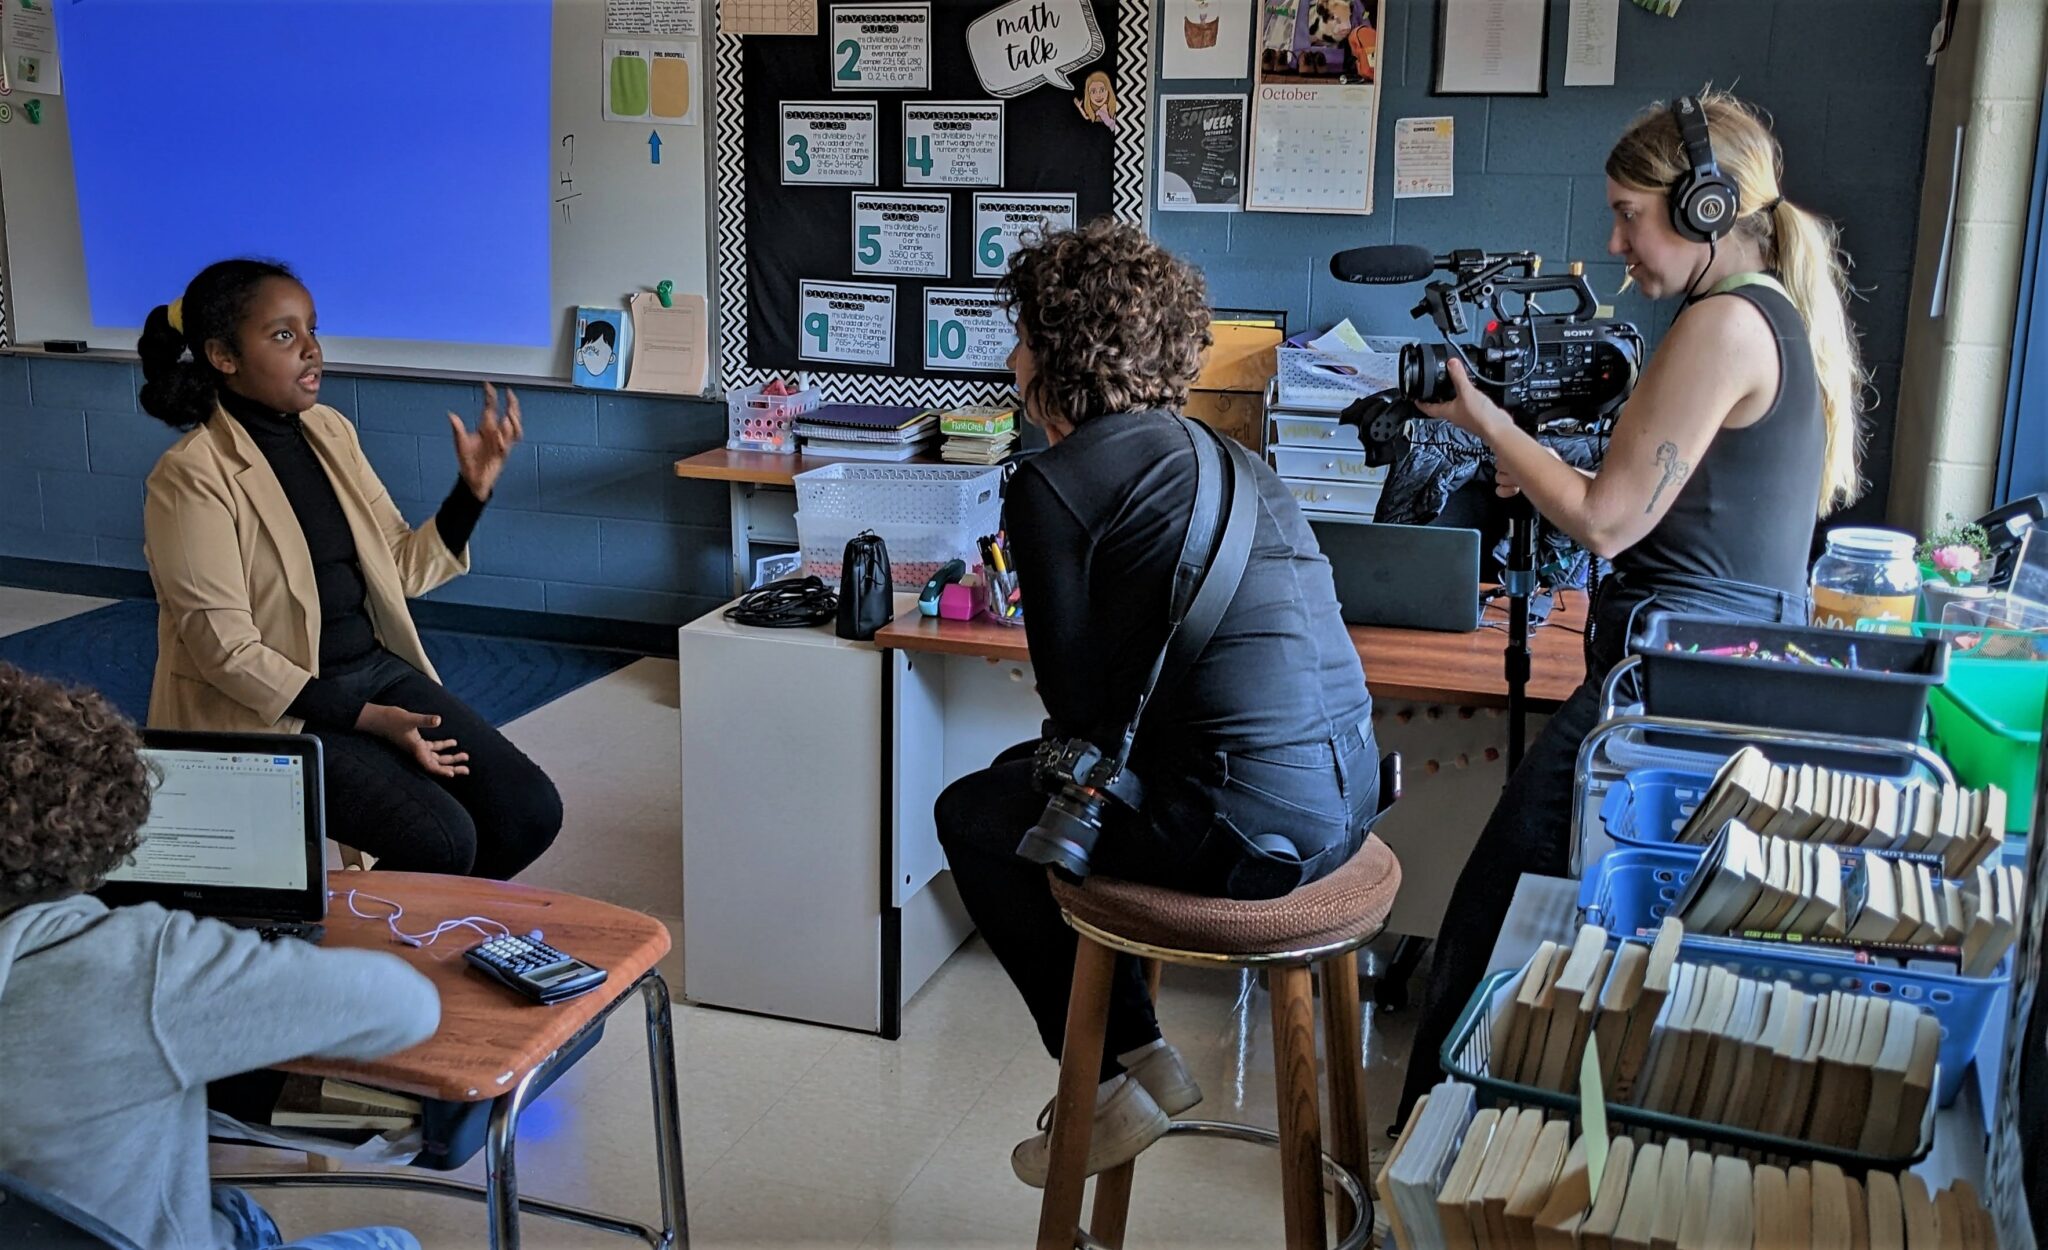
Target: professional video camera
1555	372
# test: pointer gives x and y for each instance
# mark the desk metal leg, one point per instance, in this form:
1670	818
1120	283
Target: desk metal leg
740	505
668	1132
501	1173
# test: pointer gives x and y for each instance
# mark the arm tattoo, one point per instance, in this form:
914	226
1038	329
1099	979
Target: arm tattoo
1675	470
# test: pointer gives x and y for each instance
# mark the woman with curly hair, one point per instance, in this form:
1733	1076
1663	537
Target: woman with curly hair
113	1021
1259	765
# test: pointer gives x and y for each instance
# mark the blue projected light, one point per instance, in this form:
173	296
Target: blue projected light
395	154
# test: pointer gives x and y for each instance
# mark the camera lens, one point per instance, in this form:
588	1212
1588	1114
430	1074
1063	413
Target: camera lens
1064	837
1425	372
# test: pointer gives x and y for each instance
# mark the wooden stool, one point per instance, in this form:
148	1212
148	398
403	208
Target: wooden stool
1321	924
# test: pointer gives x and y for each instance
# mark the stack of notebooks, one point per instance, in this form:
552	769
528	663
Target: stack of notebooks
1963	828
978	435
335	1105
1698	1041
868	431
1777	888
1460	1177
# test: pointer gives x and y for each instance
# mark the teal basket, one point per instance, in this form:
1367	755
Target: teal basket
1987	725
1467	1056
1631	891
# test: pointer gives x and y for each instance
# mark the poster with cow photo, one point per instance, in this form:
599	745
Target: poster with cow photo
1315	106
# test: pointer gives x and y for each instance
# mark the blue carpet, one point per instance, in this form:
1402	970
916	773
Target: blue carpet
113	650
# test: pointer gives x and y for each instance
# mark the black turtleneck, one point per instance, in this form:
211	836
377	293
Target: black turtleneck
347	636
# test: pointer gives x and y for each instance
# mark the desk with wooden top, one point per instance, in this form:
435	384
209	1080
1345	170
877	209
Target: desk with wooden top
813	880
495	1046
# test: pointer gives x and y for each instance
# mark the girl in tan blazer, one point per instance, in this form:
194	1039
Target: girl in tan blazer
282	568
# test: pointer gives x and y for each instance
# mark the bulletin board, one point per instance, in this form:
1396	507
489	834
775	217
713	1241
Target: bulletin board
785	244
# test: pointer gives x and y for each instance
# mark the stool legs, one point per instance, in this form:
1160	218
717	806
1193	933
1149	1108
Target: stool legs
1073	1110
1296	1087
1112	1207
1343	1030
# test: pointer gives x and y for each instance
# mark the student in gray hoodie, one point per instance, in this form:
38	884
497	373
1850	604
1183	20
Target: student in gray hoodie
113	1021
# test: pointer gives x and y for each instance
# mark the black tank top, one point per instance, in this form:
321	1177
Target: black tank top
1746	512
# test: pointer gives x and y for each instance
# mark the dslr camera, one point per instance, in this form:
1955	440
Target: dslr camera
1082	782
1552	370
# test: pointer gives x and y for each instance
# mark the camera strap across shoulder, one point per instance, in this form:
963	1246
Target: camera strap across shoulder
1204	587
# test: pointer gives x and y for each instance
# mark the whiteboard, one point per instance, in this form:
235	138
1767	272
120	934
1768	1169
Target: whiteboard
619	222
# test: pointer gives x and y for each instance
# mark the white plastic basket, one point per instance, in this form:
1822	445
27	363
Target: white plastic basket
1328	381
927	514
758	422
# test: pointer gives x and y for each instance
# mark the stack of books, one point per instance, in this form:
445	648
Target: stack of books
1705	1043
978	434
1894	903
1460	1177
868	431
1963	828
335	1105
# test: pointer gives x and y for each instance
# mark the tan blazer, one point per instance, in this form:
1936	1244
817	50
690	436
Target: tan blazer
238	615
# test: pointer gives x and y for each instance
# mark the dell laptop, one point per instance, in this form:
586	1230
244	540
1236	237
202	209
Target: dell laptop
236	832
1404	576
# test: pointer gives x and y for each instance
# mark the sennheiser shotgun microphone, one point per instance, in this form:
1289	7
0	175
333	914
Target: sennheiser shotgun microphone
1387	264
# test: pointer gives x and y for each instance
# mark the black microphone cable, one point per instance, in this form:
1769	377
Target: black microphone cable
792	603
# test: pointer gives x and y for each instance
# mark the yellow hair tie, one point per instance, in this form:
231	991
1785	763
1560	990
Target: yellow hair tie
175	313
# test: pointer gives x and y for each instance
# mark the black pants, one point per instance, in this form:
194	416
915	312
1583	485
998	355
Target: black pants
1195	835
491	823
1530	829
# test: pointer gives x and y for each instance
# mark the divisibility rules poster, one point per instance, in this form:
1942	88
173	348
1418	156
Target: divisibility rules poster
1315	105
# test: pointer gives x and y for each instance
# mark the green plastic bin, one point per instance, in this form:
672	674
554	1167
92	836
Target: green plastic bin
1987	724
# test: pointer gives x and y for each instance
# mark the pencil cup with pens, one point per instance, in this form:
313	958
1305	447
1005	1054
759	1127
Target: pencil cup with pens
1002	602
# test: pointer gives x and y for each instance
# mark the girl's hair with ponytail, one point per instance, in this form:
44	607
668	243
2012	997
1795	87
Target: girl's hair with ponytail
1802	248
180	385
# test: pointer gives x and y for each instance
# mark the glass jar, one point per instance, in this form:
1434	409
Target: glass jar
1865	574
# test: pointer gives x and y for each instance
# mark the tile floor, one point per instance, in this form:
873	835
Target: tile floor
797	1136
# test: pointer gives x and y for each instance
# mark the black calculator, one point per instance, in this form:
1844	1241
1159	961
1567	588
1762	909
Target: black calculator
534	968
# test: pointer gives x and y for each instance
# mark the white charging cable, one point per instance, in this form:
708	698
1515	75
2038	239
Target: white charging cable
428	938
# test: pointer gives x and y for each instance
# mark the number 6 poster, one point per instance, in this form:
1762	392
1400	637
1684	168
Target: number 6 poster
1315	106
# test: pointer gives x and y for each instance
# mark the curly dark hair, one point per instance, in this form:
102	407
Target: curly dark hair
74	789
1115	322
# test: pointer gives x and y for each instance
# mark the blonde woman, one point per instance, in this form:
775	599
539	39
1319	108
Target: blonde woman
1743	430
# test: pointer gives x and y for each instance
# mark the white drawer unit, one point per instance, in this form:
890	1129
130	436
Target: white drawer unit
1325	464
1324	433
1354	499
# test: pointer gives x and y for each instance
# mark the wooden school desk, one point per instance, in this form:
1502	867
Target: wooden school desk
814	884
494	1046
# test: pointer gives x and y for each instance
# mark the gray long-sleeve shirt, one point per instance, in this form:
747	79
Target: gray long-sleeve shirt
112	1022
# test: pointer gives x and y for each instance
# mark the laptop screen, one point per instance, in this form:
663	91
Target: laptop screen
224	818
236	828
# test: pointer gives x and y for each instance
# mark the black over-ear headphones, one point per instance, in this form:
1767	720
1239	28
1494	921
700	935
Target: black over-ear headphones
1703	201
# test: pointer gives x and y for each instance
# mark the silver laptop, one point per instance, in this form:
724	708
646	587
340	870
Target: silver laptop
1404	576
236	832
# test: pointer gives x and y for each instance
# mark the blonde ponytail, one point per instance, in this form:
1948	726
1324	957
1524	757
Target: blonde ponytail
1815	274
1802	247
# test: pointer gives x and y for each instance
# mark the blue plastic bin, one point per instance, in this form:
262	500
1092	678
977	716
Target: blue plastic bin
1630	891
1650	805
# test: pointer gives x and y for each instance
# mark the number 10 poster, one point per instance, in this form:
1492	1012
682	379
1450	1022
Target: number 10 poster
1315	105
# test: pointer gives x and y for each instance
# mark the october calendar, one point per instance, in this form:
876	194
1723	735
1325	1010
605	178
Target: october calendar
1312	148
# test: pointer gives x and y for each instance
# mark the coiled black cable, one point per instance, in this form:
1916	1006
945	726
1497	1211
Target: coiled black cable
792	603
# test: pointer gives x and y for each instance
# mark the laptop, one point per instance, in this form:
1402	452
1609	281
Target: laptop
1404	576
236	832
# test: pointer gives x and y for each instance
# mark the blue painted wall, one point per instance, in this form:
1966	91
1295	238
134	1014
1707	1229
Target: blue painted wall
1846	81
590	521
589	518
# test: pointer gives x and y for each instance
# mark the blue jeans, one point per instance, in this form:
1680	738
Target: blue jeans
255	1230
